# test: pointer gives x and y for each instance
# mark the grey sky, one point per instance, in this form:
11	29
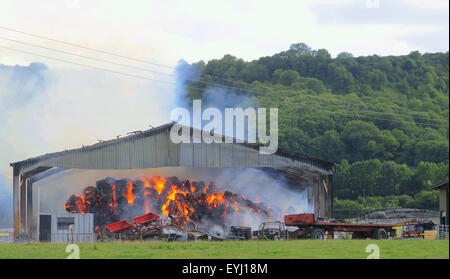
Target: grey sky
393	12
167	31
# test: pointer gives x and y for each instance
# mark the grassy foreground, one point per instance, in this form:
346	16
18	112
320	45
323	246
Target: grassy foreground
295	249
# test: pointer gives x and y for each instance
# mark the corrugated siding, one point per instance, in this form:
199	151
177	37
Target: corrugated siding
213	155
252	157
84	159
109	157
149	144
162	150
200	155
226	155
157	150
239	156
186	155
265	160
95	159
174	154
137	154
123	155
82	230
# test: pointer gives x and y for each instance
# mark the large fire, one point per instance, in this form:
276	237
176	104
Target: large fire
199	203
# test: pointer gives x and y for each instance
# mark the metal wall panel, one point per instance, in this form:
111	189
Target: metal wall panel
123	155
226	155
186	155
82	229
200	155
109	157
278	161
239	156
85	159
162	150
265	160
95	159
137	153
174	154
252	157
213	155
149	152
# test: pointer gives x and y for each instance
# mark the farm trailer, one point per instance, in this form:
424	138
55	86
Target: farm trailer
308	225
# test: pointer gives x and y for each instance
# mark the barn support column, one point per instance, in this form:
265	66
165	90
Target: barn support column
330	196
16	202
30	222
316	190
23	206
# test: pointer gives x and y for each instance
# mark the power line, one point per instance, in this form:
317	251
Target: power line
158	64
373	111
174	83
119	64
85	47
89	66
88	57
365	105
97	68
151	79
372	117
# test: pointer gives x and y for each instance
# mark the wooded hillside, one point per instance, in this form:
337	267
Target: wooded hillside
383	120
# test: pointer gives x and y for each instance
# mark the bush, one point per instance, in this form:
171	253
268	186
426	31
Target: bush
346	209
288	77
426	200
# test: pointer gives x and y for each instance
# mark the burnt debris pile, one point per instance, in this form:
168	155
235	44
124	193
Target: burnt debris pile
200	203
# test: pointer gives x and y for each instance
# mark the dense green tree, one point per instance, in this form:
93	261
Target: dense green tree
425	175
359	137
301	49
347	209
392	177
288	77
329	146
252	72
344	54
426	200
339	79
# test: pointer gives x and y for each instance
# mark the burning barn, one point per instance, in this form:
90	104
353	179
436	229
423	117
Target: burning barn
80	191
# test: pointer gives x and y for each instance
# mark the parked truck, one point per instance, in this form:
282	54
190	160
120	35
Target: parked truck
317	229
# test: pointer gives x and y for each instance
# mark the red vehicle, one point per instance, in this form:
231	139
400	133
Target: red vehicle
308	225
416	229
147	225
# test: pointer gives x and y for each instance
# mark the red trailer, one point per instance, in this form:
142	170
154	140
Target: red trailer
147	225
308	225
121	229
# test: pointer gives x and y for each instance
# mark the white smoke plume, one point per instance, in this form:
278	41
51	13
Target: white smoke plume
45	110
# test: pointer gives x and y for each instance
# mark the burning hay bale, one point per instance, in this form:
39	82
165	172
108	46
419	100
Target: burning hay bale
199	203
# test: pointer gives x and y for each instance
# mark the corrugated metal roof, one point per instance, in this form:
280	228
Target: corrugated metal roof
440	184
153	148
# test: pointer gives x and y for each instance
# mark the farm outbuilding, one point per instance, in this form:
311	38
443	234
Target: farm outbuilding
443	201
153	148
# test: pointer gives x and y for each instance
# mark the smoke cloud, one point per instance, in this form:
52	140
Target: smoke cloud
45	110
5	205
213	96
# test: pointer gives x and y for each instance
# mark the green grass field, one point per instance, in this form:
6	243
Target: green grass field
293	249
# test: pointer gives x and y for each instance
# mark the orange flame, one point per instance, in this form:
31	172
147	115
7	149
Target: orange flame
129	193
113	203
176	200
